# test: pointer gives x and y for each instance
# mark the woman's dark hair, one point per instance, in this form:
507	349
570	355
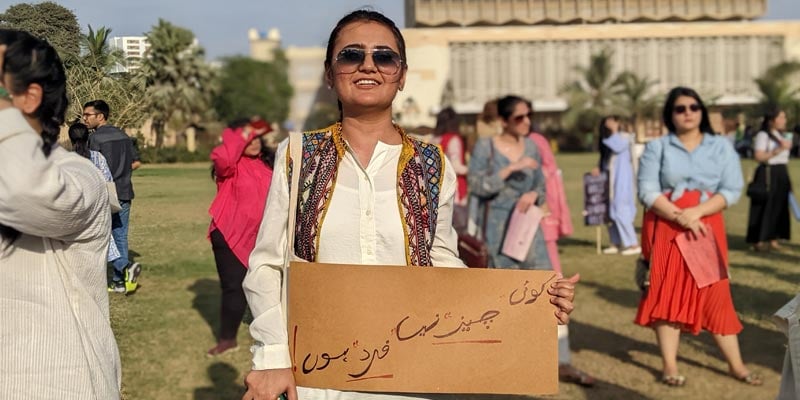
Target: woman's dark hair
770	114
669	107
79	137
489	112
604	132
364	15
29	60
446	121
267	154
507	104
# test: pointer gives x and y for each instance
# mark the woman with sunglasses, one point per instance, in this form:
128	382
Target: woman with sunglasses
617	161
359	197
686	179
505	174
769	216
55	227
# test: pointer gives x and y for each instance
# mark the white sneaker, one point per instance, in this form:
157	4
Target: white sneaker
632	251
611	250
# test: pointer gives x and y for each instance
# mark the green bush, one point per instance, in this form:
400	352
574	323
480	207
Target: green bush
170	155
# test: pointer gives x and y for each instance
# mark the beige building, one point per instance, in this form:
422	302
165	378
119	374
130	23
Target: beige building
465	52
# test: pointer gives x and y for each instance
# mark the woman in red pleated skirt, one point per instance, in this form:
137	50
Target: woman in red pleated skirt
685	180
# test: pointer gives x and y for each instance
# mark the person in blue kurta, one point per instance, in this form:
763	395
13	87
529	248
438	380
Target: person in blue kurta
622	192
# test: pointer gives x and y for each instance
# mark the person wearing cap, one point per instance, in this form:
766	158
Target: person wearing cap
243	172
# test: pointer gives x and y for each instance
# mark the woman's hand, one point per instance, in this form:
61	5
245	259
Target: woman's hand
525	163
563	292
786	145
269	384
689	218
526	201
595	171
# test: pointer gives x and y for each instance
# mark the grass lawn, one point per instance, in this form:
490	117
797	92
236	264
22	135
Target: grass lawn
164	330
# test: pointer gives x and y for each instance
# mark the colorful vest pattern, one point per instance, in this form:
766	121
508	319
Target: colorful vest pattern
419	181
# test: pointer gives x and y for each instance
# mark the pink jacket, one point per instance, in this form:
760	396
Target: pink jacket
242	187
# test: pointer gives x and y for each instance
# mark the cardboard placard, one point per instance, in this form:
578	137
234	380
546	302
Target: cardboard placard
595	199
702	257
422	330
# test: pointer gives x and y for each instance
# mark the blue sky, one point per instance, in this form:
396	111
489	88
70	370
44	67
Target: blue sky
221	25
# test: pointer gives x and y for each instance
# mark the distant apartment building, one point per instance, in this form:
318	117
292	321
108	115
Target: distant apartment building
133	48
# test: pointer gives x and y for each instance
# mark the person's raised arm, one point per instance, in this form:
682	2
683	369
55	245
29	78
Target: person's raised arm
226	155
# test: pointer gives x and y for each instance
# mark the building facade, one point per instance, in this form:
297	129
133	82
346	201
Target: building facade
133	48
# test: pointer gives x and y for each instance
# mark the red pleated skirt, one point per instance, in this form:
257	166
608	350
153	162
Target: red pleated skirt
673	295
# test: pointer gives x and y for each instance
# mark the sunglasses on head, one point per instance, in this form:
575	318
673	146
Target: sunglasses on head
349	59
682	108
519	118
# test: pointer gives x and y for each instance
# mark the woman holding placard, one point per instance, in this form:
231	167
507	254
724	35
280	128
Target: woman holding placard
686	179
363	198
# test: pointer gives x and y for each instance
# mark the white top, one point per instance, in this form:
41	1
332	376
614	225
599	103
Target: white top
762	142
55	337
351	234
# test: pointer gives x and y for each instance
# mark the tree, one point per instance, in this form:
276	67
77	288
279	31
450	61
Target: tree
49	21
779	88
96	51
178	83
249	87
634	97
592	95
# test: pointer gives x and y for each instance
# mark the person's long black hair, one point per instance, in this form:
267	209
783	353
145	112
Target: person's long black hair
79	137
30	60
602	133
770	114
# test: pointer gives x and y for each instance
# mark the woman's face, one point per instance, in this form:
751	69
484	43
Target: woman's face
519	123
686	114
253	148
373	82
612	124
779	124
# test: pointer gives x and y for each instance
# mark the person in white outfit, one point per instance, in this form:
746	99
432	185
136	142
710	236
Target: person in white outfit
55	224
364	199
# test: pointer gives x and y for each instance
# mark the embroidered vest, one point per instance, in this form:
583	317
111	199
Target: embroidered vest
419	182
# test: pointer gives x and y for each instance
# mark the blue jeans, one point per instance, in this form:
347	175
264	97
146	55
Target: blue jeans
119	233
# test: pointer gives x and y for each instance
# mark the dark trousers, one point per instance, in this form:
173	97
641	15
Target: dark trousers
769	220
231	275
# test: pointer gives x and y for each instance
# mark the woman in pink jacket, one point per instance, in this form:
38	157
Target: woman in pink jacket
243	172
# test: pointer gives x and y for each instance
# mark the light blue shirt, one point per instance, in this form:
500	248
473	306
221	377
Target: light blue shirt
666	166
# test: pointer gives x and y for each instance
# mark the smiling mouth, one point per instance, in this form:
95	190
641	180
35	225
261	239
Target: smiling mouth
367	83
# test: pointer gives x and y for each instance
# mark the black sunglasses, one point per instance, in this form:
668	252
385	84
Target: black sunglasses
349	59
682	109
519	118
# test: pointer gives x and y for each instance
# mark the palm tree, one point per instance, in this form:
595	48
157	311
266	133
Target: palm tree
178	83
592	95
98	53
635	99
779	88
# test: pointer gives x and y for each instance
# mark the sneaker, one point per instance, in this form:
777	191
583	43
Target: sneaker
632	251
116	287
132	277
611	250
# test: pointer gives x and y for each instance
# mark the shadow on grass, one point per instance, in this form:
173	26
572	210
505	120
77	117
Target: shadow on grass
759	346
207	302
574	242
768	270
624	297
224	378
